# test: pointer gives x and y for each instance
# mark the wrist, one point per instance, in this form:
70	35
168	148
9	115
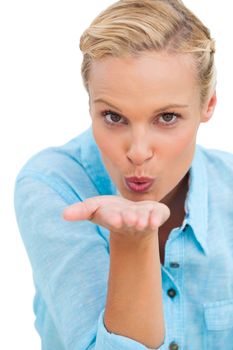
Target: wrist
127	241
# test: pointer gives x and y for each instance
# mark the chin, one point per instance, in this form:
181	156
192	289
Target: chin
137	197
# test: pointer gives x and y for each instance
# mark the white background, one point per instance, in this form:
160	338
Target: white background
43	103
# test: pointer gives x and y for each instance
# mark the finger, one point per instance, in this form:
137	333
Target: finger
85	210
129	218
159	215
142	219
116	221
153	219
82	210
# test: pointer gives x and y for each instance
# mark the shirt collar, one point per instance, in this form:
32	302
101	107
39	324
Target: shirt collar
196	203
196	199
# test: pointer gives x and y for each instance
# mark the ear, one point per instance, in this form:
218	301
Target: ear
209	108
89	104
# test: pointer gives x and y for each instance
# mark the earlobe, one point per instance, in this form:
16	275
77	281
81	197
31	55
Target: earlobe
209	108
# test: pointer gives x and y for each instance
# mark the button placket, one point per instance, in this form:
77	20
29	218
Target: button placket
171	292
173	346
174	265
174	272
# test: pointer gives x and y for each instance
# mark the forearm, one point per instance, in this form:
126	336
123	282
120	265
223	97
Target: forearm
134	301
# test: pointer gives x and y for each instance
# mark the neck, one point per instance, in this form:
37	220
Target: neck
178	194
175	201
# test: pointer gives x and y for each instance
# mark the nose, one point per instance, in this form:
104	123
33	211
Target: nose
139	150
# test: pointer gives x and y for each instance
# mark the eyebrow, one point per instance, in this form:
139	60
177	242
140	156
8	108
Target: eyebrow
172	105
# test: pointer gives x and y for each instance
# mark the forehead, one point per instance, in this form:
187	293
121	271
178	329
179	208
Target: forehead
151	73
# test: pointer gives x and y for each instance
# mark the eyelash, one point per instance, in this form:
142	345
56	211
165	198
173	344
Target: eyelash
113	124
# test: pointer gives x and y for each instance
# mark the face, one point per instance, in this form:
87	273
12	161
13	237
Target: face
145	115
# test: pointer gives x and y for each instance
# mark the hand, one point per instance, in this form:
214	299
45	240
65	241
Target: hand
120	215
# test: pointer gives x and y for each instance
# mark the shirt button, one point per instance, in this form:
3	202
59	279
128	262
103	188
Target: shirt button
174	265
171	292
173	346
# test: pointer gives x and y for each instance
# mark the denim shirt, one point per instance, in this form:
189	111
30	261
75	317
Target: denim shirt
70	260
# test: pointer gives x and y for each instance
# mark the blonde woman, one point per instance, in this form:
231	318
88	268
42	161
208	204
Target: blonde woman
128	226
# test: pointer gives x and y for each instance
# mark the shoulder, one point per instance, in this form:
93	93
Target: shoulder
66	168
218	161
216	155
50	158
218	173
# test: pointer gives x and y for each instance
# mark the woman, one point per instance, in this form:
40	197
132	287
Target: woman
140	258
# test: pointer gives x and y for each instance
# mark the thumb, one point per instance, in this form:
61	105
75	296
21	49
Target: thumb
83	210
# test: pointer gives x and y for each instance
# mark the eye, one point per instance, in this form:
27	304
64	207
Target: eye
168	117
113	118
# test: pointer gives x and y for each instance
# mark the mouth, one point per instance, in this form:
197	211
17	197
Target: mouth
139	186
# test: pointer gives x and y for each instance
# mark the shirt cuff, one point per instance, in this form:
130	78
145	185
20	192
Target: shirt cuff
111	341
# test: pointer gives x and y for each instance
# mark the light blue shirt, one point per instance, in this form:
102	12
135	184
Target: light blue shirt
70	260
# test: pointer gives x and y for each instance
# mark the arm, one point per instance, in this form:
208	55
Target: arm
134	300
70	264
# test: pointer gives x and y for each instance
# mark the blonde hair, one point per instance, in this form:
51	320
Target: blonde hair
129	27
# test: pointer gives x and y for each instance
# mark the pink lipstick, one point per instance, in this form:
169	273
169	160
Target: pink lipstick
139	184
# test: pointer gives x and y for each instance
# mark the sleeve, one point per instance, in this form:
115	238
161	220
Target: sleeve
70	265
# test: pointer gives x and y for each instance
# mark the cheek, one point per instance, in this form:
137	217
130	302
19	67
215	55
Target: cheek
100	138
184	140
109	146
180	149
